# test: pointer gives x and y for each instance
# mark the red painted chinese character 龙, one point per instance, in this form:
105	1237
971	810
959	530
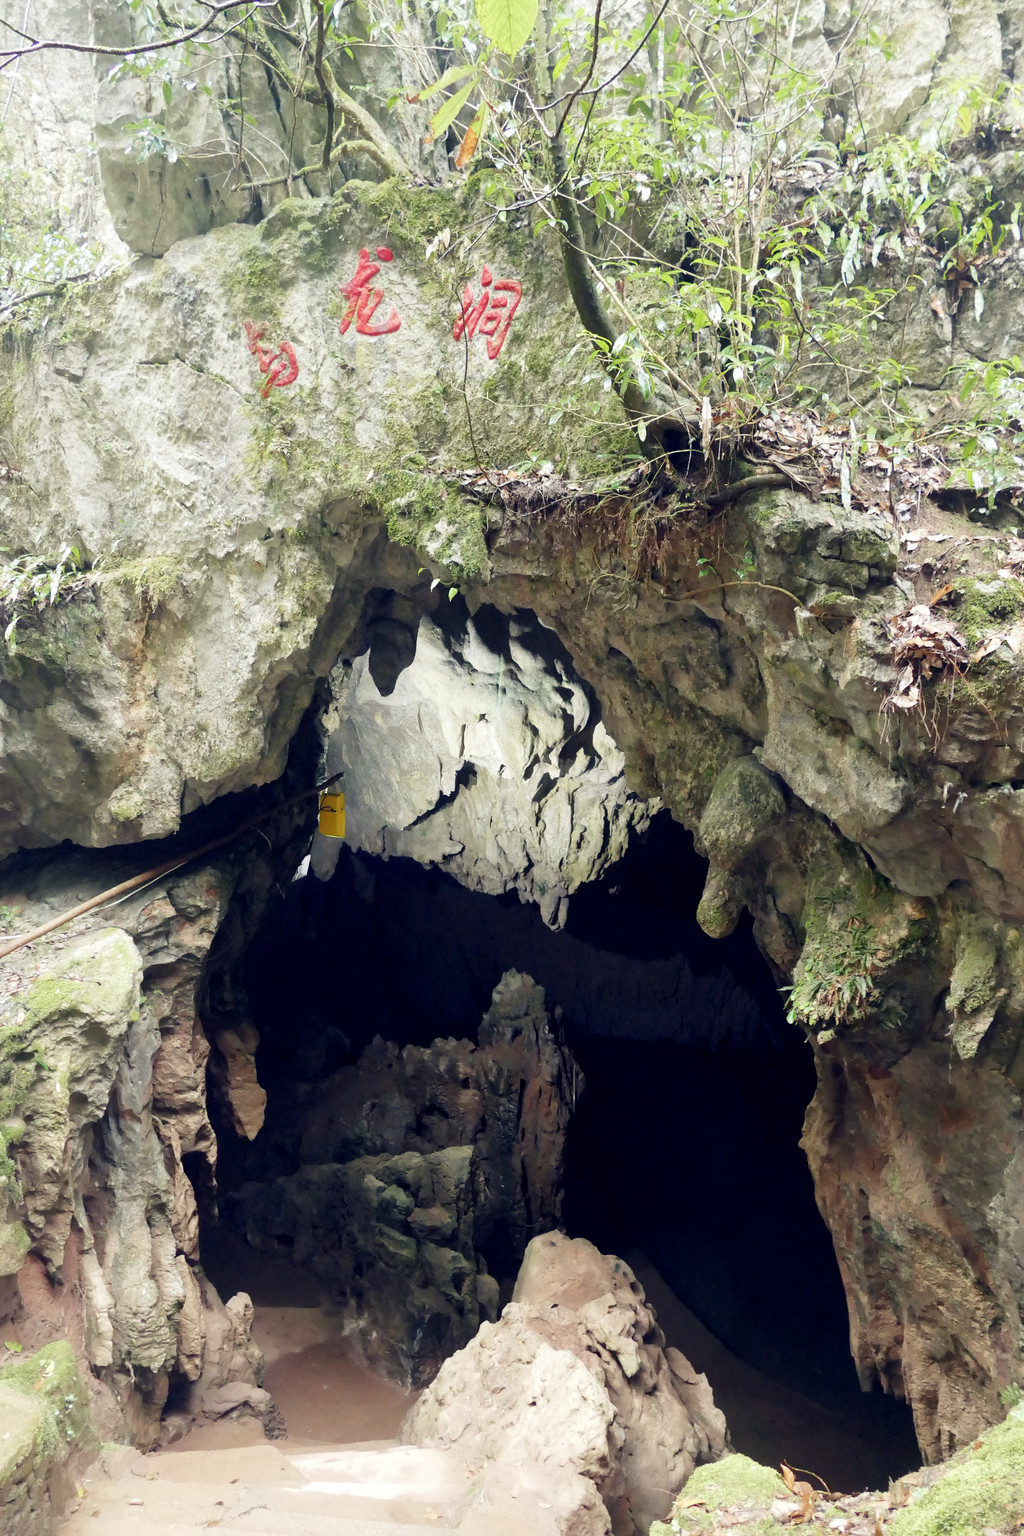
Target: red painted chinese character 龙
363	300
278	363
491	313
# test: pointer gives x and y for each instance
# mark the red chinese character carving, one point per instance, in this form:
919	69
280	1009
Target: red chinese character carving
491	313
280	364
363	300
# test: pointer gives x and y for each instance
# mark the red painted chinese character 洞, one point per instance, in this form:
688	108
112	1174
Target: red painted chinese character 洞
491	313
278	363
363	300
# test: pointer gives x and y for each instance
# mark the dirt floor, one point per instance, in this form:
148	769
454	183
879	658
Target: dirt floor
329	1397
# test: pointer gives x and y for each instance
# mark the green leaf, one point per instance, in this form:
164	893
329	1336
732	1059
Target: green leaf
449	78
168	92
448	112
507	23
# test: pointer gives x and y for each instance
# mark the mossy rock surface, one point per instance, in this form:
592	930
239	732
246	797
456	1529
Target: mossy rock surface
44	1422
983	1490
49	1380
20	1425
735	1484
60	1040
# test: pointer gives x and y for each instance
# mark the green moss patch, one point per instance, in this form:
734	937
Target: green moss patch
982	1490
736	1484
858	927
152	580
985	605
45	1033
50	1380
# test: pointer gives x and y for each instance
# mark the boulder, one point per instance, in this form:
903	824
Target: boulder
574	1379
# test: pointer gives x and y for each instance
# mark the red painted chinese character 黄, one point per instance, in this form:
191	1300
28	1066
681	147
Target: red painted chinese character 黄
278	363
363	300
491	313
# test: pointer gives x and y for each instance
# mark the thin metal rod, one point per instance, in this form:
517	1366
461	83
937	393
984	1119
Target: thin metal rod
158	870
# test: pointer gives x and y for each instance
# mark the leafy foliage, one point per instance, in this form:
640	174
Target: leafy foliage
29	583
39	255
835	976
741	256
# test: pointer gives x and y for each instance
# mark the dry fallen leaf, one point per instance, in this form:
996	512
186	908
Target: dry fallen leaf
808	1498
987	647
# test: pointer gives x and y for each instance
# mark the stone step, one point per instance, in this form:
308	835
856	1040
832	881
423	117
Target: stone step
163	1500
127	1523
382	1489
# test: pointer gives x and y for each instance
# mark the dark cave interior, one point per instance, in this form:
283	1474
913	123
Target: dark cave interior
684	1145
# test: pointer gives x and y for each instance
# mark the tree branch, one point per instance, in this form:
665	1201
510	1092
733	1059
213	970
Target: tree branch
773	482
579	270
384	152
40	45
348	147
590	72
45	293
321	80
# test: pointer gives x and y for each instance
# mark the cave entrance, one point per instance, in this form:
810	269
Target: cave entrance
682	1154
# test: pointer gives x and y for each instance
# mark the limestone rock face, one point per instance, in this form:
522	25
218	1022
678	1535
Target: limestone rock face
881	1149
574	1379
416	1164
485	755
71	1024
103	1076
244	549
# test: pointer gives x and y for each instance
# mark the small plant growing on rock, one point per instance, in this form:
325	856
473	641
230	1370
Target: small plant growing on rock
32	582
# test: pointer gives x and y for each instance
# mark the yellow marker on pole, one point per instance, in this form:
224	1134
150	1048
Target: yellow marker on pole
332	815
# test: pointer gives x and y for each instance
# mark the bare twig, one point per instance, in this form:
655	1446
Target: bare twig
595	90
590	71
41	45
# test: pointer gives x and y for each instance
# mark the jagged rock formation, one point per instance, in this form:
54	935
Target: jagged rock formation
575	1380
484	755
103	1079
417	1163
